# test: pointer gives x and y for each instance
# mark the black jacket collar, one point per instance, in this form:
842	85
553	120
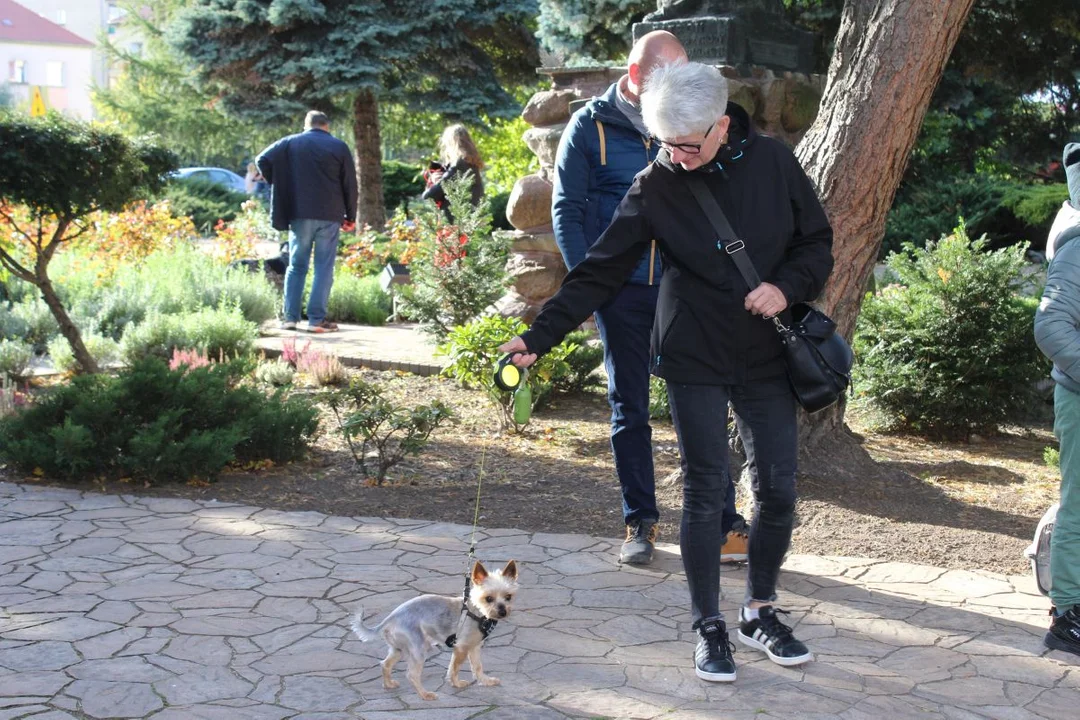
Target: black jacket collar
741	136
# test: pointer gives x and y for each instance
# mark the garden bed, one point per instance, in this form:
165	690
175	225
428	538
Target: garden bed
954	505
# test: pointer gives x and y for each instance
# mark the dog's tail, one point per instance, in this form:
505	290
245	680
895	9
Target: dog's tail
362	631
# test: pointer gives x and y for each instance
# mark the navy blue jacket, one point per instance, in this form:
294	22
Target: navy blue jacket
702	334
311	176
587	190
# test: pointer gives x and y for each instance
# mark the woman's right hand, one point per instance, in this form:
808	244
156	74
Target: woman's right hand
522	357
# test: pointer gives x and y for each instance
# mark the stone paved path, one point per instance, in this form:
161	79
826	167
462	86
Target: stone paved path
121	607
390	347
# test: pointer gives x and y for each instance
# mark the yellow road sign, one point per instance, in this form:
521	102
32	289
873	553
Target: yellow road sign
37	102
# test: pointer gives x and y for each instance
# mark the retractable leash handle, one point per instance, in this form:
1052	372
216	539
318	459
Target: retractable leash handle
508	376
512	379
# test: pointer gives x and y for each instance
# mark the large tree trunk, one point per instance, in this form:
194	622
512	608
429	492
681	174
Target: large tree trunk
370	208
889	57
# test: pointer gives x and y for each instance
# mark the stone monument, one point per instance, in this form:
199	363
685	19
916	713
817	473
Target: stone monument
740	33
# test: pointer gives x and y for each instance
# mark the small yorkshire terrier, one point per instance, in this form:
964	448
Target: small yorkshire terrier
418	624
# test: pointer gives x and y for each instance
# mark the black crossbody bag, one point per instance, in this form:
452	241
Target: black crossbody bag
818	359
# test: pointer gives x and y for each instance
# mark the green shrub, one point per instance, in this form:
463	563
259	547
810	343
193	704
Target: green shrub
19	291
402	182
275	373
187	278
15	357
949	350
1035	205
583	361
1005	211
203	201
461	270
925	210
250	292
366	419
659	406
164	282
103	349
472	350
38	320
281	428
156	424
498	203
357	300
1052	457
12	327
219	332
119	307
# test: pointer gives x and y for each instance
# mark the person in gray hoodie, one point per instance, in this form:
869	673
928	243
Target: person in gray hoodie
1057	332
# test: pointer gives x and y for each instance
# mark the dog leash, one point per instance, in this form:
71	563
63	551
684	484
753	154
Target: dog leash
486	624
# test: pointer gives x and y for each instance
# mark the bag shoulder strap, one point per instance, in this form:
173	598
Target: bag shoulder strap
726	240
603	142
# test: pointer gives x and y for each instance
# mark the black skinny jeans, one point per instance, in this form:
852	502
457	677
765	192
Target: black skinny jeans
765	416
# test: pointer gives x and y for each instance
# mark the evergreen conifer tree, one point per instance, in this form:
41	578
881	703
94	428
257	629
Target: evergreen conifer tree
271	60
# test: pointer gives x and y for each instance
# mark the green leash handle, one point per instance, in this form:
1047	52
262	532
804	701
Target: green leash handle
523	401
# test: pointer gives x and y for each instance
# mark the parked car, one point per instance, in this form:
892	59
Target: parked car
218	176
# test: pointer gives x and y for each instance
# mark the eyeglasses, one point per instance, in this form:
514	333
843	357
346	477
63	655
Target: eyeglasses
687	148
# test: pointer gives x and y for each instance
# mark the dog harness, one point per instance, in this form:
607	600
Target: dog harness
486	625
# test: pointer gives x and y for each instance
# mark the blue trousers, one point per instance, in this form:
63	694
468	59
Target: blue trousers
304	237
765	416
625	325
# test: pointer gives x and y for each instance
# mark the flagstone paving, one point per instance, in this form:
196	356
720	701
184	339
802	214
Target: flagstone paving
126	607
397	346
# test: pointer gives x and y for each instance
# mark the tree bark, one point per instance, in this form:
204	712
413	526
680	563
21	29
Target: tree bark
889	57
370	209
68	329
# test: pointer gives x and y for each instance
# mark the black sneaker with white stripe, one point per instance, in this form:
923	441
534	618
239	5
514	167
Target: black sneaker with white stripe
774	638
712	657
1064	631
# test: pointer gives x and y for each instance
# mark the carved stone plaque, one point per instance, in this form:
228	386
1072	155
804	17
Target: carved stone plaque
707	40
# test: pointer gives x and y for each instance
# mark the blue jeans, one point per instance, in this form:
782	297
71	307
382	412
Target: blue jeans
625	325
322	235
765	416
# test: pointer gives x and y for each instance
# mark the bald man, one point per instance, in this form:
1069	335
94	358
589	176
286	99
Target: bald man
602	149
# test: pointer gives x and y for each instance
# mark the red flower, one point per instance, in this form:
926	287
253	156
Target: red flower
450	245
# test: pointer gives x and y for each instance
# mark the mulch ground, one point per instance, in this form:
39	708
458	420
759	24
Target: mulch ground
953	505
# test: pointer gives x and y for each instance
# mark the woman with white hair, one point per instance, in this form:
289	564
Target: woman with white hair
713	340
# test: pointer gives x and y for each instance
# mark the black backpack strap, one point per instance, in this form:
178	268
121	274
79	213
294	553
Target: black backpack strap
726	239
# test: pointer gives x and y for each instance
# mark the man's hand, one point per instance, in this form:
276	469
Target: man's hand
348	226
523	358
766	299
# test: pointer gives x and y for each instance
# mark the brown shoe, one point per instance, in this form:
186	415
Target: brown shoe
735	546
640	542
324	326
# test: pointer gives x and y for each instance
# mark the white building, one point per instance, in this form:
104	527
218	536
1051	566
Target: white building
89	19
35	51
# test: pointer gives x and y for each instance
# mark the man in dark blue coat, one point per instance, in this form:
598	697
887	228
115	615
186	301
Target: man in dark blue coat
603	148
313	195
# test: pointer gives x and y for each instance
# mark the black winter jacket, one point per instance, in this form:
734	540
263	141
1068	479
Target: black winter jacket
702	334
438	194
312	177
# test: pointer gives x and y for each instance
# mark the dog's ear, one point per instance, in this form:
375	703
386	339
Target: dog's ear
510	571
479	574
